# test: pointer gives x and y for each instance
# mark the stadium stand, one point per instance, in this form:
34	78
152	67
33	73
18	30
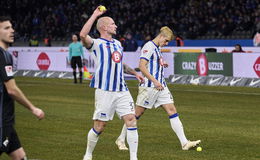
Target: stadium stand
204	19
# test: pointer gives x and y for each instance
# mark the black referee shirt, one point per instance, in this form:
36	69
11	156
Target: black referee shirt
6	101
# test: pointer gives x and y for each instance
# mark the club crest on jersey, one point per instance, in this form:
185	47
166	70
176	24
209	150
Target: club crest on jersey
116	57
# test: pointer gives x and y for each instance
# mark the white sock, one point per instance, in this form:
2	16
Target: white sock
132	140
123	133
92	141
178	128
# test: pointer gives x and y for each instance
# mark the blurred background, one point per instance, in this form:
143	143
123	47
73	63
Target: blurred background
52	22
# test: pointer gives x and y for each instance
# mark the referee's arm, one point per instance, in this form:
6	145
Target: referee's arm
70	52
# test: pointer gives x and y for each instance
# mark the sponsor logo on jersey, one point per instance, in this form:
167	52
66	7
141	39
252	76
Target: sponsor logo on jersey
145	51
6	142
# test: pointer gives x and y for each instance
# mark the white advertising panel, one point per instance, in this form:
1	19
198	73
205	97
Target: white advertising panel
219	49
48	60
56	59
246	65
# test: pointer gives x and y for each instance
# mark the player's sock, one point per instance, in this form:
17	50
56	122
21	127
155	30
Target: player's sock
132	140
93	136
178	128
75	77
80	77
123	133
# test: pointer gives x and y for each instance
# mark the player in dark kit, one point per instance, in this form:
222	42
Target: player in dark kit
9	91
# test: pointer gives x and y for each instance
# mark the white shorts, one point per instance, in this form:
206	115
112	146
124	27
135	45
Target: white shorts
149	97
107	103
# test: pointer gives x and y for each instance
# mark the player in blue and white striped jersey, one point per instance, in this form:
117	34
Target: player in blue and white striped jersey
151	53
154	91
109	71
111	93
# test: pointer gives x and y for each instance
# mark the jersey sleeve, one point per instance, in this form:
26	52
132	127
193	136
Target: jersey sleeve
6	69
146	52
93	46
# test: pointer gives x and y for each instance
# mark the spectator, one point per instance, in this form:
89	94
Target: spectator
190	18
47	41
130	43
238	48
147	39
179	41
256	39
33	42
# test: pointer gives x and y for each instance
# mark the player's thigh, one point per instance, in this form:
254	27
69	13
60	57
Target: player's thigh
147	96
125	104
164	97
104	105
11	143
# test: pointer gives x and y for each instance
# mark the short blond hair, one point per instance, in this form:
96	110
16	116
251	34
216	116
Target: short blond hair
167	32
102	21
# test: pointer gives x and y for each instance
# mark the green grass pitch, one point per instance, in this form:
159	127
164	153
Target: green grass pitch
226	119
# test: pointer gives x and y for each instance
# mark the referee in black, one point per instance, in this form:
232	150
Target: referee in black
75	54
9	91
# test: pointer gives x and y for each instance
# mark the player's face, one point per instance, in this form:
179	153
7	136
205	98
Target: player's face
164	41
111	27
74	38
6	32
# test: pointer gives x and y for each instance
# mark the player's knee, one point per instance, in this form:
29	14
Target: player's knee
170	109
100	127
131	121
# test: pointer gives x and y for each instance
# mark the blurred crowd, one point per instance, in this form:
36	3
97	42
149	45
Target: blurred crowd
59	19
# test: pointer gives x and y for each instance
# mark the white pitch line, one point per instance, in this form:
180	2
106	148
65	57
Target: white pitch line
241	93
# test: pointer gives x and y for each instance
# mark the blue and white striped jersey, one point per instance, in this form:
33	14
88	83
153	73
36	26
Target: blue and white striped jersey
151	52
109	74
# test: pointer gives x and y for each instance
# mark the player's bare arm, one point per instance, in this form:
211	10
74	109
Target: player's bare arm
144	70
129	70
18	95
85	38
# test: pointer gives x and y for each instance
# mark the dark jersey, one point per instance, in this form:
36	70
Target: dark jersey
6	101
